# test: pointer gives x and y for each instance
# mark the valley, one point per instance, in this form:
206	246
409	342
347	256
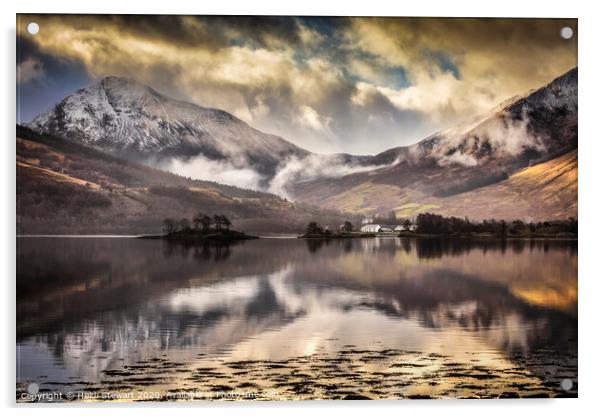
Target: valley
99	161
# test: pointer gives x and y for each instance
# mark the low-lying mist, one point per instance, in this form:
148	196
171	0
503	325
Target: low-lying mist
312	167
497	137
225	172
239	172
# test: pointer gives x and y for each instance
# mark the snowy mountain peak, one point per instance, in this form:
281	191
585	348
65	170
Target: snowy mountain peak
530	127
128	118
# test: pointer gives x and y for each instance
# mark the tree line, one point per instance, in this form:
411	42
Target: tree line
428	223
434	224
313	228
200	222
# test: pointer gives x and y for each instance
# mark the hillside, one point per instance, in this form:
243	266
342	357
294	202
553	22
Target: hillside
463	162
542	192
63	187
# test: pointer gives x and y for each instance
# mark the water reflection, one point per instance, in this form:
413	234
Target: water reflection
85	306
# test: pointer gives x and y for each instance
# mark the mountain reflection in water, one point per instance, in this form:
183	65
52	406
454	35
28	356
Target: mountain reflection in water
507	311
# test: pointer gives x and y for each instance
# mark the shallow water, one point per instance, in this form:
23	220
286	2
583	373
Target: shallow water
271	319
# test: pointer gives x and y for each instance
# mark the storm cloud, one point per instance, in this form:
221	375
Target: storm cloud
355	85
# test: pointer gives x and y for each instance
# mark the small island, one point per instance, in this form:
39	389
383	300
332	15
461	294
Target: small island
202	227
347	230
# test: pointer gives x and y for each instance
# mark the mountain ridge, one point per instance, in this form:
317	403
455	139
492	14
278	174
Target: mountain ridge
132	120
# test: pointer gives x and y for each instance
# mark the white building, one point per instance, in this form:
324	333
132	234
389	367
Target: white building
370	228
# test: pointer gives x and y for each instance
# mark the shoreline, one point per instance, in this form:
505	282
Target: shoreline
440	237
294	236
393	373
196	236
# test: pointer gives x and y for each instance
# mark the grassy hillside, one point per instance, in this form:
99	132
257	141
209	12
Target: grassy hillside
63	187
542	192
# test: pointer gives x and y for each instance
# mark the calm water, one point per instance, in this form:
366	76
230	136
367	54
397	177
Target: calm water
114	318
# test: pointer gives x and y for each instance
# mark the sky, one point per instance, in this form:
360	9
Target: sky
329	84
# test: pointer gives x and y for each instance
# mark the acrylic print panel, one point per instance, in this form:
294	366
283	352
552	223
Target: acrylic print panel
295	208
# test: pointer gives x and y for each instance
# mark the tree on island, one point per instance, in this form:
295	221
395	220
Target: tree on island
184	225
197	220
226	222
219	221
169	225
206	222
314	228
407	224
503	229
348	227
200	222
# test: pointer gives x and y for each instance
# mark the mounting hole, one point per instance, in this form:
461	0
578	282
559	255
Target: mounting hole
33	28
566	32
566	384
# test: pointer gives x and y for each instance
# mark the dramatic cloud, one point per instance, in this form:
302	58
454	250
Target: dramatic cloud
461	67
309	117
355	85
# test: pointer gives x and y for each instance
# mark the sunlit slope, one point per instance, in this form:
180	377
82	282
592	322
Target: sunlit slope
544	191
66	188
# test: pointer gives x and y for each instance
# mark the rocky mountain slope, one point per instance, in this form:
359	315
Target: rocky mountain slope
477	154
128	119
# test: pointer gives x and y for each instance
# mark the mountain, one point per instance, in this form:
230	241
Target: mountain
488	150
469	160
67	188
546	191
131	120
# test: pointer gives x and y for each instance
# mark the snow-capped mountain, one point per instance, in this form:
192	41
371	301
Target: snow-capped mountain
521	132
527	128
131	120
127	118
520	128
